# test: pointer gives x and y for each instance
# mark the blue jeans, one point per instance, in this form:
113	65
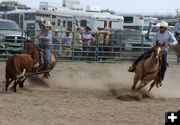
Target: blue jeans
77	54
47	50
100	51
56	49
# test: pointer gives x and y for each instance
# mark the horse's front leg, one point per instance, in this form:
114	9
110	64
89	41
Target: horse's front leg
152	85
134	84
142	85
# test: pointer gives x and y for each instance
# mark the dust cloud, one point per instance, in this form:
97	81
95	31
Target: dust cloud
105	76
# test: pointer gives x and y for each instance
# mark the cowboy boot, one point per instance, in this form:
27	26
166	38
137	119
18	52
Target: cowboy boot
132	68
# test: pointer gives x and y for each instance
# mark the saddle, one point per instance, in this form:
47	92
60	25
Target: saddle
42	58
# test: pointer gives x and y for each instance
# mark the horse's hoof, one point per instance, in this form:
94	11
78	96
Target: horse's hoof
159	85
46	75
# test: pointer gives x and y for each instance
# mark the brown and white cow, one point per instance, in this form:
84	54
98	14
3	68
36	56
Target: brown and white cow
16	67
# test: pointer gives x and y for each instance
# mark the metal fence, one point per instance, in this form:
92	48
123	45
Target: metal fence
122	45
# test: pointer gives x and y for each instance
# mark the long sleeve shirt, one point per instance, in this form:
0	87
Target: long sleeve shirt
166	37
87	38
45	37
78	43
177	27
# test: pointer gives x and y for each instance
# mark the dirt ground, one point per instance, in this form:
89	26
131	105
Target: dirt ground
81	94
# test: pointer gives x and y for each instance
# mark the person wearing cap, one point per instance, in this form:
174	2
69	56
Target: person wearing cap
56	41
87	40
177	30
77	44
162	36
67	44
100	38
45	42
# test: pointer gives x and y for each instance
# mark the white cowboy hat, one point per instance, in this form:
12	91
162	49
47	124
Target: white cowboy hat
47	23
100	27
56	30
162	24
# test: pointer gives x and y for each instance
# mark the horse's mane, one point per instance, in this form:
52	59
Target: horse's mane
35	53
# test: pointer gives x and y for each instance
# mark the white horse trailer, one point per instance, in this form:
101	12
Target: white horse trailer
64	19
132	21
94	19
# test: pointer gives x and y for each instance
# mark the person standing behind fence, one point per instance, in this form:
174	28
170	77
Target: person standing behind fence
177	30
66	44
45	42
56	41
87	39
100	37
177	36
77	44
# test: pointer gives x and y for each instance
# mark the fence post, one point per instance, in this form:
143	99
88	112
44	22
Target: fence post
97	47
73	45
142	43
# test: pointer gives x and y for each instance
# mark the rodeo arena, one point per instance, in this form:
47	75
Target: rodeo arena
85	75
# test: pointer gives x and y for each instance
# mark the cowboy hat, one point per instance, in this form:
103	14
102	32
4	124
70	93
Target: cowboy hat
100	27
47	23
87	27
56	30
162	24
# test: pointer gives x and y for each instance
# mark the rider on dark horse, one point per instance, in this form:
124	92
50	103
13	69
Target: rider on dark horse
45	42
162	36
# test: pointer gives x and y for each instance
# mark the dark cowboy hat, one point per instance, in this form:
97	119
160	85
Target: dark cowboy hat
87	27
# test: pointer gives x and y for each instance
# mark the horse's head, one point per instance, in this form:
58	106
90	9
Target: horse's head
29	48
158	50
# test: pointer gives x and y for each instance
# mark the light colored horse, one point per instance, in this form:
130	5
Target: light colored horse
147	69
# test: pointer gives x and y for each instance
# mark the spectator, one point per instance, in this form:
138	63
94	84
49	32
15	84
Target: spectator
77	44
66	44
87	40
56	41
177	30
100	37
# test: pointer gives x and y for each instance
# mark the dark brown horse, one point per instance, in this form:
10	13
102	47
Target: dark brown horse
16	67
38	57
147	70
